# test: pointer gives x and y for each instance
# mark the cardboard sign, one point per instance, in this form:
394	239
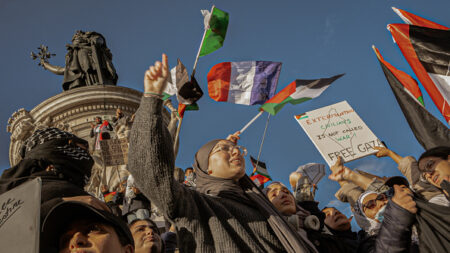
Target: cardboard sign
336	130
114	151
19	218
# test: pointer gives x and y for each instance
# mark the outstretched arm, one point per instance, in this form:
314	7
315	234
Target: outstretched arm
382	152
340	173
151	158
53	68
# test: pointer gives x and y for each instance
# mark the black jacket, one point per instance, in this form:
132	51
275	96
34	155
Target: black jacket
394	235
138	202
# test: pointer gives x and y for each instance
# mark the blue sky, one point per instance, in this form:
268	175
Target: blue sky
312	39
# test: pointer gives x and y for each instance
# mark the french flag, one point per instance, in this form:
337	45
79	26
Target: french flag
246	82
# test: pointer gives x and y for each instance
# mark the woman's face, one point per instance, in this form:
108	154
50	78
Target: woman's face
372	203
435	169
226	161
282	199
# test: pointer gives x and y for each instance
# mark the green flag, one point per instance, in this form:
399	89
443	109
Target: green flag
216	30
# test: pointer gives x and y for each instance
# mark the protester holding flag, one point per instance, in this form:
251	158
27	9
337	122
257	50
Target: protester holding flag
226	212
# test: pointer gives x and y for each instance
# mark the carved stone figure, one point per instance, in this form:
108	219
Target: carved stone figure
88	61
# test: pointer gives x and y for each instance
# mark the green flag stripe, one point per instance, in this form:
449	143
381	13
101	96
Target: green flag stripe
215	35
421	100
273	108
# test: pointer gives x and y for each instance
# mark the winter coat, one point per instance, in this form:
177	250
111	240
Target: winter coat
394	235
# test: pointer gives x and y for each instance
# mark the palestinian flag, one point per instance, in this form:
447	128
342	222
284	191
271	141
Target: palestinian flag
298	92
182	108
412	19
216	24
427	51
109	196
259	180
429	131
409	84
260	169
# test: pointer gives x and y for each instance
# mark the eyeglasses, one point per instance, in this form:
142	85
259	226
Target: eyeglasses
371	204
229	148
428	166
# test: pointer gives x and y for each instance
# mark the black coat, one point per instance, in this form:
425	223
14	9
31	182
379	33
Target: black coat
394	235
138	202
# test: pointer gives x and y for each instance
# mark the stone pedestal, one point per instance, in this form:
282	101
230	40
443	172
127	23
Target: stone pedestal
73	110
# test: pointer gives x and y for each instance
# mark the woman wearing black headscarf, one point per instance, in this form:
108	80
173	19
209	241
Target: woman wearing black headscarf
226	212
63	163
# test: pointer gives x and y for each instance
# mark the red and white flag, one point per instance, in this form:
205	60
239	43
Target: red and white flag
412	19
427	51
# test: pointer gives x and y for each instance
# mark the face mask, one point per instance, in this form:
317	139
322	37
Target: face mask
380	214
191	177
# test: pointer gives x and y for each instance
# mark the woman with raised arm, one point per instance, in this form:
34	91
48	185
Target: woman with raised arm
226	212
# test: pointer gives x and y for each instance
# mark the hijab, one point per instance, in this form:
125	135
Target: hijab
246	191
371	226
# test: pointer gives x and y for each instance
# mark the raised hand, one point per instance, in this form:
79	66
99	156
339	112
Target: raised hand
339	172
403	198
155	79
234	137
382	151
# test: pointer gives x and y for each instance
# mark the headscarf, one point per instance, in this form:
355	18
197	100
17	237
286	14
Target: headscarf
245	191
50	147
371	226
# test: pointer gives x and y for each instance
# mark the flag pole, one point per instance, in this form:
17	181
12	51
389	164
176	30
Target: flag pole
177	137
251	121
262	141
201	43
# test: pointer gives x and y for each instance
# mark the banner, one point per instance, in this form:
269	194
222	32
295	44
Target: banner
19	218
336	130
114	151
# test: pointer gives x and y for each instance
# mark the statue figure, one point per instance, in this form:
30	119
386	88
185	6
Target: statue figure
88	61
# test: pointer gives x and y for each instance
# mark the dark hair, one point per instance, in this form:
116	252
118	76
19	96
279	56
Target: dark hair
441	152
147	220
188	168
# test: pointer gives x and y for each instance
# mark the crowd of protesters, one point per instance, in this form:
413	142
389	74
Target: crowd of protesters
214	206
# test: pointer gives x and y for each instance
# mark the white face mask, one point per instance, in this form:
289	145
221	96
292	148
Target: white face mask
380	214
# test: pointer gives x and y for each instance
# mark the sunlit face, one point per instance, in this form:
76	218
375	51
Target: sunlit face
188	172
336	220
282	199
89	236
146	238
226	161
378	200
435	169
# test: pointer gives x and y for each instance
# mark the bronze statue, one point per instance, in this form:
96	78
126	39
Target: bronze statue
88	61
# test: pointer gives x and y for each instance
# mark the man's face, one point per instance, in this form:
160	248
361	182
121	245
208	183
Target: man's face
188	172
372	203
336	220
282	199
225	161
90	236
98	120
435	169
146	238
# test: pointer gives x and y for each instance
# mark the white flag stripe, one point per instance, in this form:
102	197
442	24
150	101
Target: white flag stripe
241	82
399	13
442	84
304	91
171	87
